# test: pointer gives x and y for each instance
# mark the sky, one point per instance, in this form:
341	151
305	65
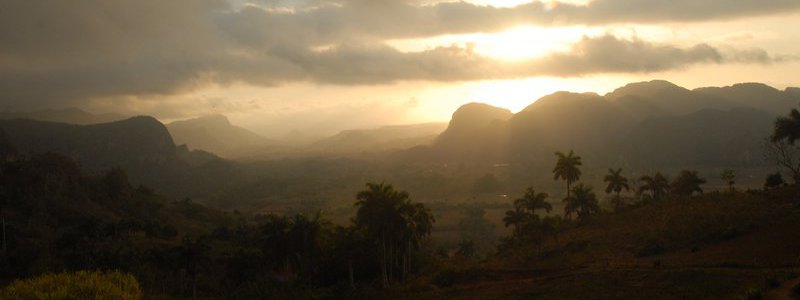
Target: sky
314	67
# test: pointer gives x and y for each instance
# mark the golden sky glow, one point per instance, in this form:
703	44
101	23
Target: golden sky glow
319	66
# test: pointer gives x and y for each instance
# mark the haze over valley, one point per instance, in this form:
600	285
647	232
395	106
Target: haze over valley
399	149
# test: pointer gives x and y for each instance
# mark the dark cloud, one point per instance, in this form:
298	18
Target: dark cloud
64	52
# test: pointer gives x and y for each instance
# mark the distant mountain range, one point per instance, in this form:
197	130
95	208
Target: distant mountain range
642	125
386	138
216	134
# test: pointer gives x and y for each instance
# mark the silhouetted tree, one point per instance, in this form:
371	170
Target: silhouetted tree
729	176
687	183
395	224
524	217
517	218
532	201
616	183
787	128
582	202
657	185
786	155
781	148
773	181
194	255
567	168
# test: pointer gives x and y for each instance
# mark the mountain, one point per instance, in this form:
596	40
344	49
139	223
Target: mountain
709	137
665	97
756	95
380	139
216	134
141	146
65	115
645	125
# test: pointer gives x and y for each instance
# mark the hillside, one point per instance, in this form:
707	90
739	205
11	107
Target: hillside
384	138
216	134
711	246
141	146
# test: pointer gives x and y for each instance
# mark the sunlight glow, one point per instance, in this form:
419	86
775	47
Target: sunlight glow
517	43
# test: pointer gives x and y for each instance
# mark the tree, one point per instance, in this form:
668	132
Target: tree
687	183
773	181
194	255
616	183
394	223
786	155
533	201
567	168
729	176
781	148
524	217
582	202
787	128
657	185
516	218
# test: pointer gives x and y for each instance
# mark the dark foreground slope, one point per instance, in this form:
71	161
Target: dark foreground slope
713	246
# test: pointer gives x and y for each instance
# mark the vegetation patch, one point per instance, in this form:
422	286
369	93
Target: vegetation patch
77	285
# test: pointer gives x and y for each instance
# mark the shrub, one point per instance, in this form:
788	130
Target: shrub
450	277
651	247
754	294
77	285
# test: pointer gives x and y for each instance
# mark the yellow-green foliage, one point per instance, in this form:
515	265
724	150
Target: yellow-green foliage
78	285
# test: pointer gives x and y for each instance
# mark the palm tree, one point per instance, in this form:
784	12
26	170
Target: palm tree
516	218
658	185
687	183
567	168
583	202
419	223
729	177
616	182
533	201
396	224
787	128
379	215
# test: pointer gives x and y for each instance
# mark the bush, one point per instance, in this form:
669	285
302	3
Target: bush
78	285
450	277
754	294
651	247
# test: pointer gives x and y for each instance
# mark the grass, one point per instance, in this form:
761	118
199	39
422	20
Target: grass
78	285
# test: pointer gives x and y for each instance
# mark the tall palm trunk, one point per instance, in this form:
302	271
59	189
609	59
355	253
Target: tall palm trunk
350	272
568	183
4	236
384	275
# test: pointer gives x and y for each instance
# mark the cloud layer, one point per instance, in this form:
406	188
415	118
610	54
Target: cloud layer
67	51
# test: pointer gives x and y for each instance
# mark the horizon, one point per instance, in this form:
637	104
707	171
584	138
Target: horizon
278	66
335	131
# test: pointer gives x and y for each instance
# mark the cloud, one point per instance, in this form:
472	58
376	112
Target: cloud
65	52
326	21
375	64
